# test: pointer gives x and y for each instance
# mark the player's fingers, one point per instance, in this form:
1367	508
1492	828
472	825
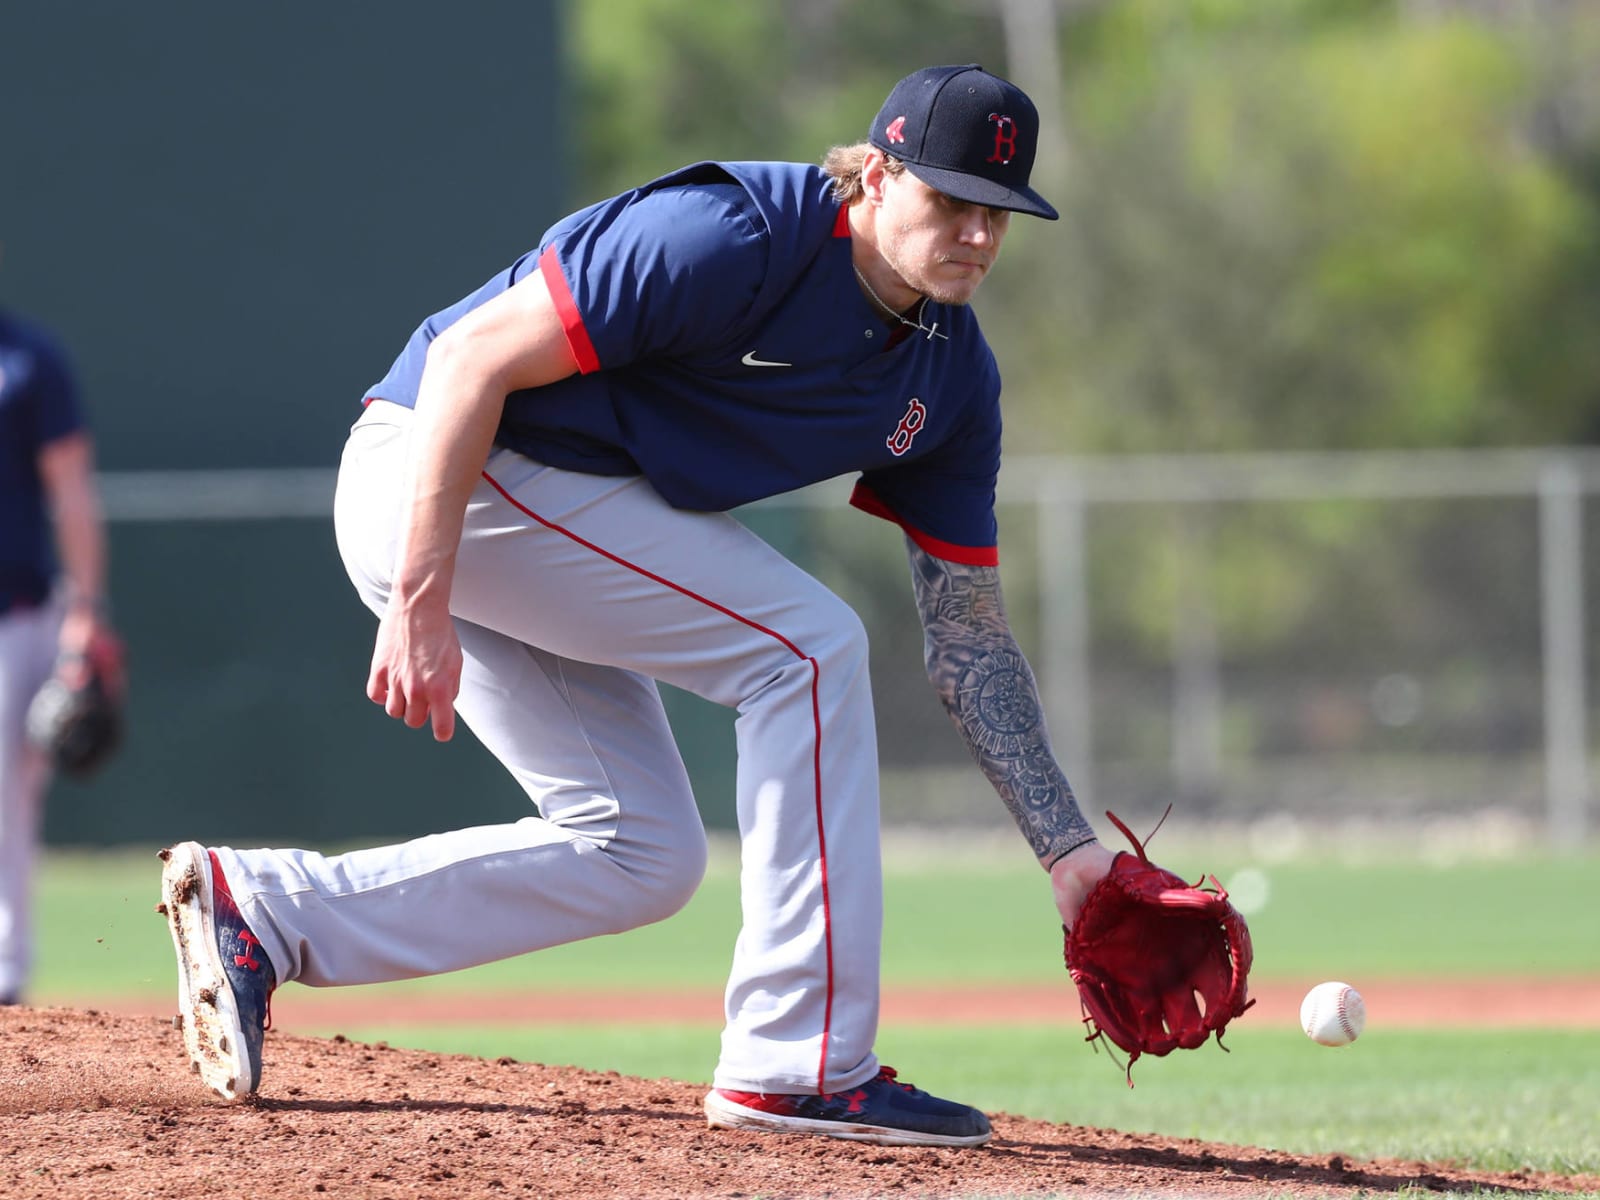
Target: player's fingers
378	682
414	710
442	694
75	672
432	701
444	722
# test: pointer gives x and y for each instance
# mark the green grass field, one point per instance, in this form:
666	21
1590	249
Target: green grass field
1496	1099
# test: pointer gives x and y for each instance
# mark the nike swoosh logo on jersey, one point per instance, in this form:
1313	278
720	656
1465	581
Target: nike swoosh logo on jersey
750	360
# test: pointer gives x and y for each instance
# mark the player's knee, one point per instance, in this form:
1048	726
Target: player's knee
835	657
840	641
676	890
844	662
665	882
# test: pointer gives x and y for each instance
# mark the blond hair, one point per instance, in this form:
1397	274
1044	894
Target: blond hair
844	164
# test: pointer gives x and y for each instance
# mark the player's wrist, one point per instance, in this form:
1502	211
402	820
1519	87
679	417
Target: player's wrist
1057	855
88	604
1075	874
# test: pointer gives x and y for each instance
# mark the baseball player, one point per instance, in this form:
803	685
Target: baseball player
534	503
52	590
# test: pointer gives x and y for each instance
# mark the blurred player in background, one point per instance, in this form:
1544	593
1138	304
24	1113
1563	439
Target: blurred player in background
52	596
535	505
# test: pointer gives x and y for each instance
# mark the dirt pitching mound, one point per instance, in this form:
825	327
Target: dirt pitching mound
101	1105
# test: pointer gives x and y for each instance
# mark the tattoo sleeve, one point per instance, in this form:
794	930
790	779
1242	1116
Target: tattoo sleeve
989	691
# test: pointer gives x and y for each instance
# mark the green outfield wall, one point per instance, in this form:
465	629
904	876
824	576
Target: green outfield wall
233	215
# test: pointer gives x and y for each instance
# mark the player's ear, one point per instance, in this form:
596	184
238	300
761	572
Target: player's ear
874	175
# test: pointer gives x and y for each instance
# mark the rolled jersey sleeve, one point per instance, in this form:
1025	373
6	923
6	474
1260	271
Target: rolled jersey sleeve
658	274
945	500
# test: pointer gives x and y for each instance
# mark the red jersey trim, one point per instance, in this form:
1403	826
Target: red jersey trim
567	309
867	501
841	223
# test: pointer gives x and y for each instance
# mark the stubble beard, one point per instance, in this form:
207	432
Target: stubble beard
917	277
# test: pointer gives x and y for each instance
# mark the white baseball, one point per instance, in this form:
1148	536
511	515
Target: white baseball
1333	1014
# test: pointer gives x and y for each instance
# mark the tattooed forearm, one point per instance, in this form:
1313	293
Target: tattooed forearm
989	691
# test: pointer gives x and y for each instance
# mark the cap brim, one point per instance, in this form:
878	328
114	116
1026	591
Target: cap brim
975	189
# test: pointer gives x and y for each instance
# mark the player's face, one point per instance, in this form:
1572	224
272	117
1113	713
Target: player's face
940	246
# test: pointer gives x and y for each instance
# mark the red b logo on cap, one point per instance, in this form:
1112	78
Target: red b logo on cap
897	130
1005	139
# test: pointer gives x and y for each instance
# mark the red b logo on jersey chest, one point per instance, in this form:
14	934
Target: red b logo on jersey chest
916	416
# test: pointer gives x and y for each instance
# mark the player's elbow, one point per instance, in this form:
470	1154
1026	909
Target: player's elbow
944	686
942	655
469	359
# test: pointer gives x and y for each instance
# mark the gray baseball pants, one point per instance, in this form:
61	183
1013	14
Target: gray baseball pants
573	594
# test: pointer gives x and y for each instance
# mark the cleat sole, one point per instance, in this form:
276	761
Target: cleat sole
207	1012
722	1113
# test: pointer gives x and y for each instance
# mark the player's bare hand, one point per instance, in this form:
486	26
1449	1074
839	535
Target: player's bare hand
90	646
416	666
1074	874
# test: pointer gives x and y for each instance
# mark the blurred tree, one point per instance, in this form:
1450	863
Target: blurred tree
1287	224
1308	225
1304	225
669	82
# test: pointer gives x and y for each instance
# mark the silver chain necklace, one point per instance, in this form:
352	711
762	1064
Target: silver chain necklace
931	330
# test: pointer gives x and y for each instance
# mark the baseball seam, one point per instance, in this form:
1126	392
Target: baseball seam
1344	1015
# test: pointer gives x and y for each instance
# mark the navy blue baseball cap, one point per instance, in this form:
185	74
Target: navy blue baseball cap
966	133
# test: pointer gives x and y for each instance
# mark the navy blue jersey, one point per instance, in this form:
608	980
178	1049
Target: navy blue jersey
725	351
38	405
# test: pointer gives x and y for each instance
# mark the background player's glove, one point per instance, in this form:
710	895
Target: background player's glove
1160	964
76	718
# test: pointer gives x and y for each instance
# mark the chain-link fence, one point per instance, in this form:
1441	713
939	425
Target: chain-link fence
1382	639
1395	637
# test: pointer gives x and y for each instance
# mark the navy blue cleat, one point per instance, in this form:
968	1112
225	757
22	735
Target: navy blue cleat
225	980
882	1110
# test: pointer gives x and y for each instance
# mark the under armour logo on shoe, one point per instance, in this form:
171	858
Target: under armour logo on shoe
250	943
857	1100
